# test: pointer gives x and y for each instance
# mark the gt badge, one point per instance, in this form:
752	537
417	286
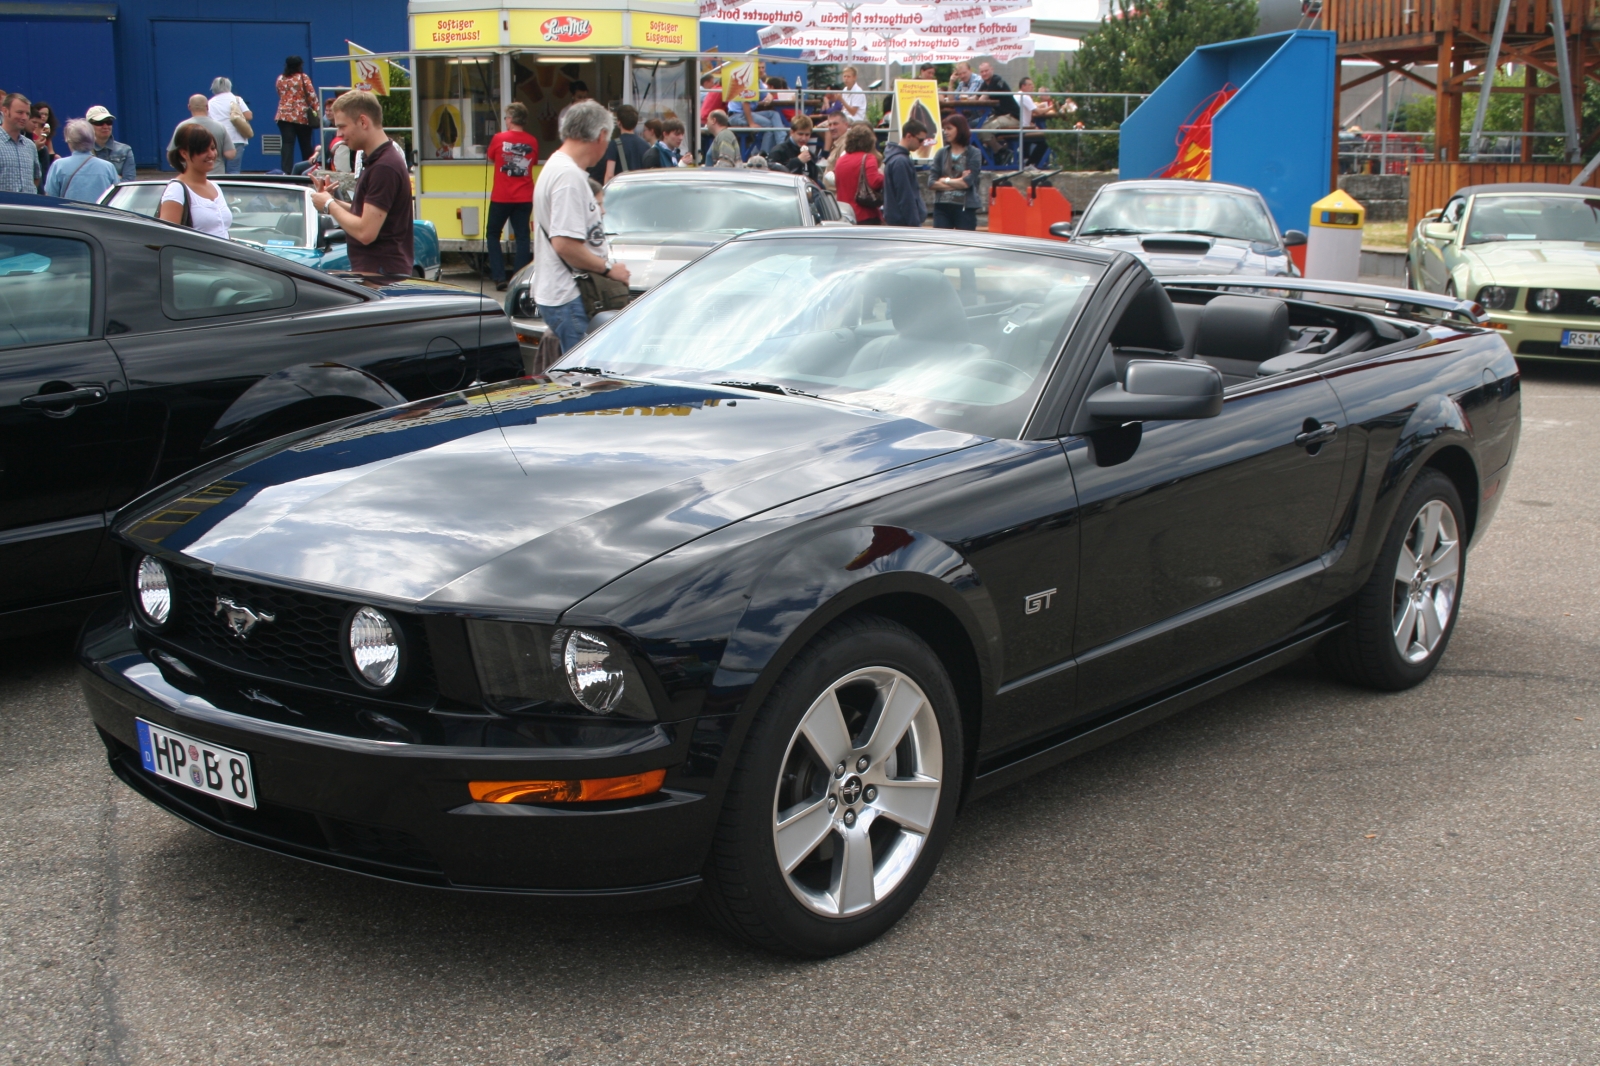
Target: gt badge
241	619
1035	602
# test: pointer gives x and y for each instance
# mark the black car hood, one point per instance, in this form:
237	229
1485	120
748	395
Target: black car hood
523	497
1188	253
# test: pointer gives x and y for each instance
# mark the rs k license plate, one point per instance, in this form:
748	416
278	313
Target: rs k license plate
1580	338
209	768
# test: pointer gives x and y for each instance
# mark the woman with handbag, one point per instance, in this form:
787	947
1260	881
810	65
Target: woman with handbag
297	112
857	178
229	111
192	199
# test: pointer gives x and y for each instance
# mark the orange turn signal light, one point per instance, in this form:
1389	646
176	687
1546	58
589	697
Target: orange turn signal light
585	791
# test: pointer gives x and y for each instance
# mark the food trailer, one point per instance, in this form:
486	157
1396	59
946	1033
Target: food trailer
468	62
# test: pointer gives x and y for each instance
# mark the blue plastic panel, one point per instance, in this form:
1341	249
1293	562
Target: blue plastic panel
1276	133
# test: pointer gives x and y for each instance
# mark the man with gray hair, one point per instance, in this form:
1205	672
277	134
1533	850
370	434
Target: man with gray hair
80	176
199	117
568	234
227	111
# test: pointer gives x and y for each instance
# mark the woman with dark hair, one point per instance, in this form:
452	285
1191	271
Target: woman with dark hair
297	112
955	176
42	117
191	199
858	163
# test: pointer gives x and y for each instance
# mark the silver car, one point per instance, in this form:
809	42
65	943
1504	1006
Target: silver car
659	221
1188	227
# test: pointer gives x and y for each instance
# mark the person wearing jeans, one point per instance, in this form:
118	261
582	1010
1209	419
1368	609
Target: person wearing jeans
513	153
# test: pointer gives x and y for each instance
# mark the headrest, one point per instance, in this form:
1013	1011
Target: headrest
925	306
1252	328
1149	322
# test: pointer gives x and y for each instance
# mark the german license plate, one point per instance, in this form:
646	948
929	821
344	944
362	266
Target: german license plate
209	768
1580	338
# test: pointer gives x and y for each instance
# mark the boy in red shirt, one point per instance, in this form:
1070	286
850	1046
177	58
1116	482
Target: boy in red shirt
514	154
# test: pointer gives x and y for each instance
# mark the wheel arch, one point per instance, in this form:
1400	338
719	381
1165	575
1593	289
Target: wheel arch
1456	463
269	400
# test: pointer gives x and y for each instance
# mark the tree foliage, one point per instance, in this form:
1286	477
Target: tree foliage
1505	113
1134	50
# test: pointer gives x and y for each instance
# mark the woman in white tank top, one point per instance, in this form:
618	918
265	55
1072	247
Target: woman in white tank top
194	153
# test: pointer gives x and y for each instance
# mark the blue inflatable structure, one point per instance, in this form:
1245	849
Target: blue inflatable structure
1275	134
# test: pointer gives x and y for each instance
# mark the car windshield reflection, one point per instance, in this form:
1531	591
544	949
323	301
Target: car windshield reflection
960	338
699	207
274	217
1207	212
1534	218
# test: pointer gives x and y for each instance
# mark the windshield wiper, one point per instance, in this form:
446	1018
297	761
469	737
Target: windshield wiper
1111	231
767	386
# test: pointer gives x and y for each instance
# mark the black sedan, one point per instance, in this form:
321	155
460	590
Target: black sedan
829	533
132	350
1188	227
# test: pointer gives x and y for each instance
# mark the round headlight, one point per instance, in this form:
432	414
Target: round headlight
1547	299
1495	297
594	671
374	642
155	590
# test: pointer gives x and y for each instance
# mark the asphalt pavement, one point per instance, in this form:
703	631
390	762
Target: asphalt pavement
1294	872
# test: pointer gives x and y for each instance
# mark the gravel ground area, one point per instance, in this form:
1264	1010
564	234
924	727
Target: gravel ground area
1295	872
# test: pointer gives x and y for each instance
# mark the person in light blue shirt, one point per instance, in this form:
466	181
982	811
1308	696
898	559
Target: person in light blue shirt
80	176
19	157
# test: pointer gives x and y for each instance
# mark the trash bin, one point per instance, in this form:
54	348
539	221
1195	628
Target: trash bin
1333	244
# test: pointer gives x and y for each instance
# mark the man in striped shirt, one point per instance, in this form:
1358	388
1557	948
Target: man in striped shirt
19	157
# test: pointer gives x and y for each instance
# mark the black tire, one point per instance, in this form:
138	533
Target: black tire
1365	651
746	893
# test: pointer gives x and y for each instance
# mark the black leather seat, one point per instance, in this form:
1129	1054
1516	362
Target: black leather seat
1239	333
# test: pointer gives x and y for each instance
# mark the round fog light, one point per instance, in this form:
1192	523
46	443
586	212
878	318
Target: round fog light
155	590
374	642
1547	299
594	671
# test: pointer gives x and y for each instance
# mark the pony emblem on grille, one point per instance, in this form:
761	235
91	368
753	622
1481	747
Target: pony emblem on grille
241	619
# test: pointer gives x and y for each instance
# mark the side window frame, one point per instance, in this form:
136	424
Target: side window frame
97	279
170	309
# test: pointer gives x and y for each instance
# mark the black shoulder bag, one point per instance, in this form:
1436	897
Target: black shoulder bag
598	292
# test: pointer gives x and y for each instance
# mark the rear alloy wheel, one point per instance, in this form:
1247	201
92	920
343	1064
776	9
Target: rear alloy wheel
1402	618
843	797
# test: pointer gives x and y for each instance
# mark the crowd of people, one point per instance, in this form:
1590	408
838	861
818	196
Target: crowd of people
29	162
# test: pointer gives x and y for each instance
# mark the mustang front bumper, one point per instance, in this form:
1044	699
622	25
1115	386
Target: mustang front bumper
402	811
1536	336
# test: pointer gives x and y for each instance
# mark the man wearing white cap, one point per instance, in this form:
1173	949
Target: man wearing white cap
112	151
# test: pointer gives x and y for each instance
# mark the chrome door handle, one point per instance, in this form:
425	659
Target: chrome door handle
1326	431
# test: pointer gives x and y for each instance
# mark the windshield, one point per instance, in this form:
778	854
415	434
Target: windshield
960	338
1534	218
700	206
1208	211
265	216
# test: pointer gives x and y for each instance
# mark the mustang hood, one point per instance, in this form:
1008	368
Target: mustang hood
1189	253
1557	265
526	496
654	257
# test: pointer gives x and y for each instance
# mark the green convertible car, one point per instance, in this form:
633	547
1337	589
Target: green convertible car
1530	254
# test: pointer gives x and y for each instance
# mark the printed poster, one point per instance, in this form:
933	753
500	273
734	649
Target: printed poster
739	81
369	74
919	100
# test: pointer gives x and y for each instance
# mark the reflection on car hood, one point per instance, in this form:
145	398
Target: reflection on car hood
522	497
1558	264
1188	253
651	257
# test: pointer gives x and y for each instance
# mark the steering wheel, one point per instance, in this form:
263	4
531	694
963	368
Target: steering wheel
993	370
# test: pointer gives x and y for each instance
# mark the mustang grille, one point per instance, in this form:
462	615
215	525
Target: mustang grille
1584	302
304	641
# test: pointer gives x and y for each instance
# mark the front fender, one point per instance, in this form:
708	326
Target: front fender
262	403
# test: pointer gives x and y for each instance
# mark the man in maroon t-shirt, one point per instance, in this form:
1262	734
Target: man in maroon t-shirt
514	154
378	220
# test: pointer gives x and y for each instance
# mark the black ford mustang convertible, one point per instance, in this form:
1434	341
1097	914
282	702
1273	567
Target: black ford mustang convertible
823	536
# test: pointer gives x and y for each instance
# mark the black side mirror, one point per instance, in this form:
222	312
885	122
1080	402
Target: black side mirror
1159	389
328	232
1293	237
1064	230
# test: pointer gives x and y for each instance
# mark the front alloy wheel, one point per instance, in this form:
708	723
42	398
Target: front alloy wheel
843	796
850	819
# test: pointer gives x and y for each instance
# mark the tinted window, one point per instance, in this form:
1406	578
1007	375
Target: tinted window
699	207
46	289
1209	212
197	285
961	338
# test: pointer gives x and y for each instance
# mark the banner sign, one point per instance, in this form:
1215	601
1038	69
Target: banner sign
739	81
890	13
566	29
369	74
664	33
456	30
918	100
